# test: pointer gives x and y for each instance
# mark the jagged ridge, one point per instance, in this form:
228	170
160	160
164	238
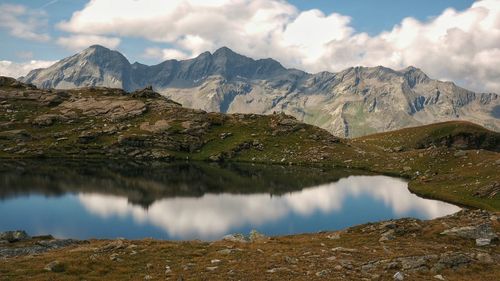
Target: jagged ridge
354	102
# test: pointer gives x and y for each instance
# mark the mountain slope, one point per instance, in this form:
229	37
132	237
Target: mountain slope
354	102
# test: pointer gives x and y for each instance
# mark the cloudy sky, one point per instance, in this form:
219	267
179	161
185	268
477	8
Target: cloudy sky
455	40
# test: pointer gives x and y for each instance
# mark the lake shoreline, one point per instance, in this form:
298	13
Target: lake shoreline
419	250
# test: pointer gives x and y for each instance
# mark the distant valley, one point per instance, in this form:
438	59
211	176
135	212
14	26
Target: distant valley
354	102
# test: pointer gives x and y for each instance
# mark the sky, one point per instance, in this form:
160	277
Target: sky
457	40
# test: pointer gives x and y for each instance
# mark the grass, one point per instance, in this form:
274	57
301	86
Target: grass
414	153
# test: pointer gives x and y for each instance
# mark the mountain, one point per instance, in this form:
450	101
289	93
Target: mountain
354	102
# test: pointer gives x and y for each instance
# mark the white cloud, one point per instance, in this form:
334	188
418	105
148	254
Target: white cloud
211	216
24	23
79	42
16	70
164	54
462	46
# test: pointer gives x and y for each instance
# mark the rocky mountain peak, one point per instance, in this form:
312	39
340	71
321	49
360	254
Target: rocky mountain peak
353	102
414	76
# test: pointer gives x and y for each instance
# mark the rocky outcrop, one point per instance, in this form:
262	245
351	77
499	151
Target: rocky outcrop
111	108
29	245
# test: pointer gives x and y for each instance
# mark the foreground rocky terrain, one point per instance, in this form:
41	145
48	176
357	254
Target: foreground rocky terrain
354	102
463	246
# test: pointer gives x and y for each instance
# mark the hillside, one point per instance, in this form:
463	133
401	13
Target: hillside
354	102
102	123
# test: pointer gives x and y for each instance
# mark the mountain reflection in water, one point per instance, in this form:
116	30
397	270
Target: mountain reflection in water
200	201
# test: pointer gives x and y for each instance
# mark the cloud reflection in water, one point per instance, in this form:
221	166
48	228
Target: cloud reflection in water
214	215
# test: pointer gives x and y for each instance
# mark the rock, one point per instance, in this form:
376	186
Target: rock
58	243
168	270
236	237
226	251
255	236
342	249
480	242
439	277
55	266
322	273
484	258
398	276
488	191
148	277
334	236
111	108
40	247
212	268
88	137
451	260
387	236
147	92
416	263
406	168
14	236
215	261
15	135
472	232
112	246
460	153
114	257
225	135
277	269
216	158
134	140
159	126
47	120
291	260
346	264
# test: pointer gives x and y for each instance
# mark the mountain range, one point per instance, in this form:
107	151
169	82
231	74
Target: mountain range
354	102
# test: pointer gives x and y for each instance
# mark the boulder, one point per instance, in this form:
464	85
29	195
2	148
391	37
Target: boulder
451	260
55	266
236	237
480	242
256	236
472	232
14	236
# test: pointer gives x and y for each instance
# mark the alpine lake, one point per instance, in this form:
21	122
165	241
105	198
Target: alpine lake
196	200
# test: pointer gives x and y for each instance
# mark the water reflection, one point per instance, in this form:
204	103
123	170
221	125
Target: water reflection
215	215
198	201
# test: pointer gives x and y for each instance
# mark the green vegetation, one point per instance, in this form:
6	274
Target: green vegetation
452	161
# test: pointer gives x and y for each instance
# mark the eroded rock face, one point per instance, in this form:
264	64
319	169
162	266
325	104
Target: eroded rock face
111	108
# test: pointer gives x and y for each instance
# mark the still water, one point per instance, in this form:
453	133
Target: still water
197	200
